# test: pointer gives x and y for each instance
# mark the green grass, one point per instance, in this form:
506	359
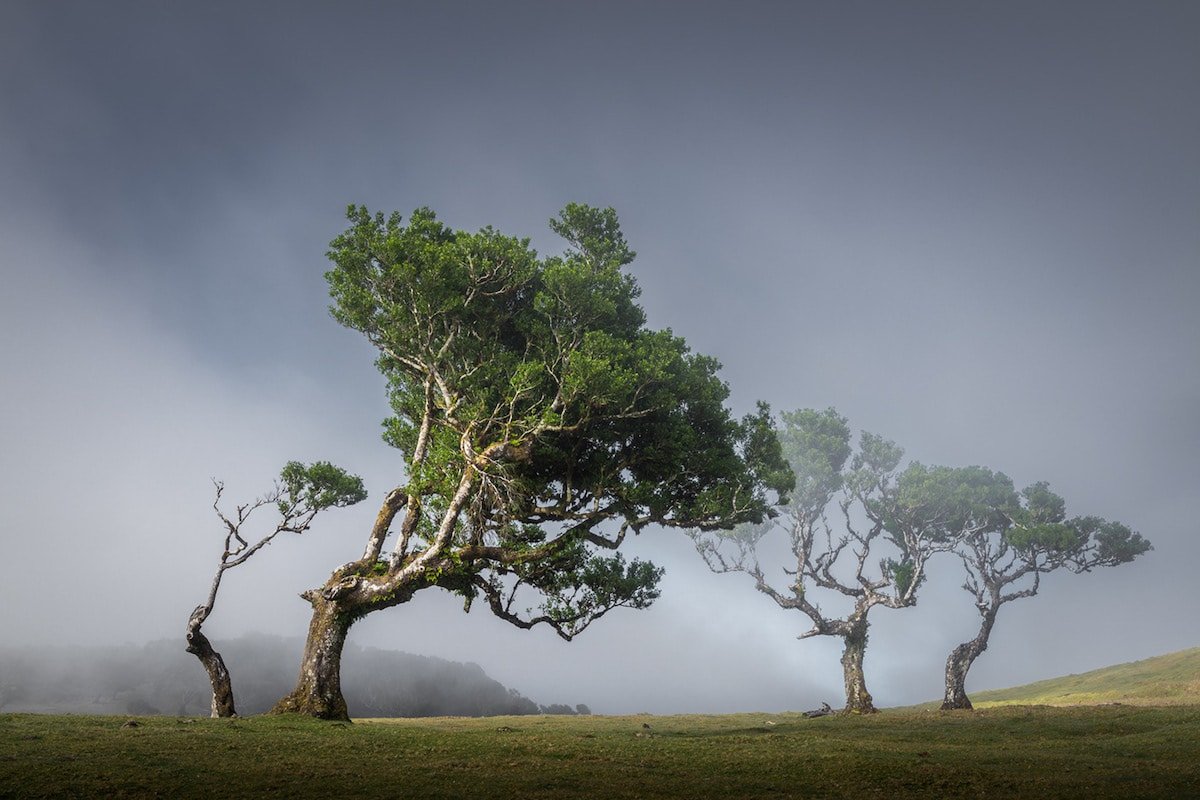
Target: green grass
1164	680
1006	752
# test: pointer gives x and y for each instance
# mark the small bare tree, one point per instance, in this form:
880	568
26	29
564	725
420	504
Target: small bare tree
299	495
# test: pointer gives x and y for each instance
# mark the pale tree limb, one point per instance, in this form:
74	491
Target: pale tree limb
308	490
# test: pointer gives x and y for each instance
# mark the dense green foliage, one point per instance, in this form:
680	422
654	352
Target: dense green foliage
533	407
551	355
1038	526
316	487
998	753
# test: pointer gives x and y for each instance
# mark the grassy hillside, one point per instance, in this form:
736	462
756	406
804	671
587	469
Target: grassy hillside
1172	679
1099	752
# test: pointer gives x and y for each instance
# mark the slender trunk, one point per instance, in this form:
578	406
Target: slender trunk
858	699
218	674
960	661
318	690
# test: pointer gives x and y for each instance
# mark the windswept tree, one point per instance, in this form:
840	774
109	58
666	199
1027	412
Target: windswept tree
1005	561
301	492
890	522
539	421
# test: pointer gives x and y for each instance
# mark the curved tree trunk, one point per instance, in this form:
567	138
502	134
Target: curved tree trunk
318	690
858	699
347	596
960	661
218	674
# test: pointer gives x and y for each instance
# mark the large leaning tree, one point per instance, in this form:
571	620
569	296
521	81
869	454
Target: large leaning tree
539	421
889	523
1030	536
302	492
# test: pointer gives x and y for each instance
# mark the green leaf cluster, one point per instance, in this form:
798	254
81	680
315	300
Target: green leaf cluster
817	445
597	584
901	573
947	503
1039	525
317	486
551	354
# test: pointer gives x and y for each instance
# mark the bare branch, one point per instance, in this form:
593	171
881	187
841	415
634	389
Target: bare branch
566	627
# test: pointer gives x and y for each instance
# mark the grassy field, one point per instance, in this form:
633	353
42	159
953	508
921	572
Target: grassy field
1172	679
1117	752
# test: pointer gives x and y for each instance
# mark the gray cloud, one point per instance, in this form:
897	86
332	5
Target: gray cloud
970	228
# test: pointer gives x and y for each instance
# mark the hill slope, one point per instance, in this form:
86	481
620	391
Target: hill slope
1172	679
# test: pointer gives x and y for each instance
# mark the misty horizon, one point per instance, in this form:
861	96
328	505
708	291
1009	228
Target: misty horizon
160	678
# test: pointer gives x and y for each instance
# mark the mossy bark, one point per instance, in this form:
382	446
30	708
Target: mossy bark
960	661
350	594
214	665
858	699
318	690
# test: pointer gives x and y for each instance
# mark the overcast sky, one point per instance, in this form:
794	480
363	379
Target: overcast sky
971	227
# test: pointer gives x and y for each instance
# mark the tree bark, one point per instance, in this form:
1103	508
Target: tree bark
858	699
353	591
318	690
218	674
960	661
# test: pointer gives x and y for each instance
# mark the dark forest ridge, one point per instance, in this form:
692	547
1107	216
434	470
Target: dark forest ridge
160	678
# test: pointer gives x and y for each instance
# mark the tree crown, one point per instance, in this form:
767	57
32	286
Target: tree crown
317	486
547	365
534	386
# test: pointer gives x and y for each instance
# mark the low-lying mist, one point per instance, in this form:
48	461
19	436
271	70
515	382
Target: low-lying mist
161	678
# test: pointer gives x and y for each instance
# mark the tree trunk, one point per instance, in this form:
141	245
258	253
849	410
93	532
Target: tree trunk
346	597
218	674
318	690
858	699
960	661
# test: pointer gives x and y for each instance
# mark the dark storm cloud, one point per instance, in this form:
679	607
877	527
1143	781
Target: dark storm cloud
971	227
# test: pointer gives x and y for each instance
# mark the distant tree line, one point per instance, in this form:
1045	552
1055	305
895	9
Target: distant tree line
159	678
